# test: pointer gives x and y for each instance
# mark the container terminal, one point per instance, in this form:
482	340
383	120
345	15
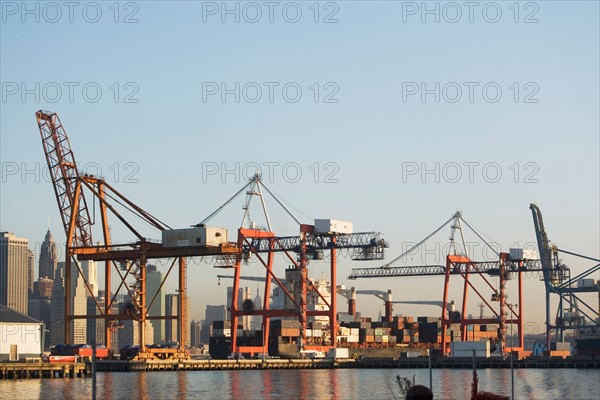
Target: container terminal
305	326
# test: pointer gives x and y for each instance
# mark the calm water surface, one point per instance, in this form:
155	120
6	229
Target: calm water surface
309	384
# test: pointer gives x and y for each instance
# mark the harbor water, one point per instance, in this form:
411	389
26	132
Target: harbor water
448	384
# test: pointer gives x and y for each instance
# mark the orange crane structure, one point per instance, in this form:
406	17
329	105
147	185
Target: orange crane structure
458	264
73	192
297	250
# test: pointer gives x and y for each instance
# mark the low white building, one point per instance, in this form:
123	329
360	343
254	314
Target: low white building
20	336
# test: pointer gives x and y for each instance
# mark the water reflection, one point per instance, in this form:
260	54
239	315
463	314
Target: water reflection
307	384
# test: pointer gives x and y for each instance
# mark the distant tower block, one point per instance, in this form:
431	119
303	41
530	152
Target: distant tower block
48	257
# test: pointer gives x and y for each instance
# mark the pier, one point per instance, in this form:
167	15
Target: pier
28	370
37	370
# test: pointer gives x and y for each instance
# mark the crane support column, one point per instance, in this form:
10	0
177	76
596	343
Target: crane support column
521	318
107	269
304	229
445	305
266	319
502	325
182	299
332	308
142	303
463	310
234	296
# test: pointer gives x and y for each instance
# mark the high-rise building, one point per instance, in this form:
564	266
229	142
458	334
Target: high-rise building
256	320
171	326
14	281
48	257
129	334
213	313
56	333
195	331
43	287
243	294
90	272
39	303
155	291
30	267
79	296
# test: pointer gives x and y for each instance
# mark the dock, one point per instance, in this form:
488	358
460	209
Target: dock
401	363
37	370
28	370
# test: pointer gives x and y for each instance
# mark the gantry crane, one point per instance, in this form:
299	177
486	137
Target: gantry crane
71	187
463	266
557	280
297	251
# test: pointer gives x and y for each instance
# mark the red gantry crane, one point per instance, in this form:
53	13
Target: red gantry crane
459	264
297	250
72	191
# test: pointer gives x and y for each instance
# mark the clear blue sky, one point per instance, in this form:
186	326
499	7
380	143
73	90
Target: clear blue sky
379	134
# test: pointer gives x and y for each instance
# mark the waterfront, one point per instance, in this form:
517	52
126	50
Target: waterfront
309	384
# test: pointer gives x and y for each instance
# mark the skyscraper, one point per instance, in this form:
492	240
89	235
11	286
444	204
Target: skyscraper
79	295
48	257
243	294
129	335
57	314
256	320
195	330
30	265
171	326
213	313
153	281
90	272
14	285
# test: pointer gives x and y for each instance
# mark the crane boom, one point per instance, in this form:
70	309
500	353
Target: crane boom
65	179
543	242
485	267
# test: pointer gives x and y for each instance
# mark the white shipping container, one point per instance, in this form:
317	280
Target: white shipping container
192	237
353	339
522	254
465	353
516	254
325	226
341	352
465	349
354	331
585	283
481	345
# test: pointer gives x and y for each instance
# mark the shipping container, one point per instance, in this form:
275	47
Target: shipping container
465	349
583	283
560	346
341	352
330	226
192	237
